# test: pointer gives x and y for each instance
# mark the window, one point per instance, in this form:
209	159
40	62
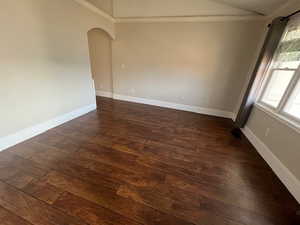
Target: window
293	105
281	89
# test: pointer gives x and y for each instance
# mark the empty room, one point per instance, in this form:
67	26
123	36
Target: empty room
150	112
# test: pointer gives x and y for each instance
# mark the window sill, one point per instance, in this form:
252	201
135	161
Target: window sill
281	118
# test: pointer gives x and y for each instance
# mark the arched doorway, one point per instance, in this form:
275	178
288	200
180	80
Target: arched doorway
100	47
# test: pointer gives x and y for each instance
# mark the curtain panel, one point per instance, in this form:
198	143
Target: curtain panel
274	35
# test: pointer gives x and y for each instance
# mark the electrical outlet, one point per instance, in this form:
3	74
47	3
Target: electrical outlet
123	66
267	132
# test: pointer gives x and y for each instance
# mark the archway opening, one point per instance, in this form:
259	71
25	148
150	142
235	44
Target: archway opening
100	48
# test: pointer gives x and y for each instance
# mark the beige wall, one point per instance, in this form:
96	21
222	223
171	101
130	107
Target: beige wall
282	140
101	59
44	69
202	64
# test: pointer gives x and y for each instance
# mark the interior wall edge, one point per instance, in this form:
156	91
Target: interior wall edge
30	132
171	105
282	172
251	69
189	19
93	8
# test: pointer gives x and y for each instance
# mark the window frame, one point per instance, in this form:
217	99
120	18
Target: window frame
289	92
279	111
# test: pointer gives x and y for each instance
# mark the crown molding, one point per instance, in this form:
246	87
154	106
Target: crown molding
93	8
188	19
196	18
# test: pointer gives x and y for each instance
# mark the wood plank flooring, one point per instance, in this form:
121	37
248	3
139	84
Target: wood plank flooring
133	164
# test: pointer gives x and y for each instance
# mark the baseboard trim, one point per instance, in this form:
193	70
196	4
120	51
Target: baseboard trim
284	174
104	94
171	105
25	134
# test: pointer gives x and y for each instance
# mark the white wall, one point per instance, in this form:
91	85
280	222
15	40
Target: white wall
44	69
202	64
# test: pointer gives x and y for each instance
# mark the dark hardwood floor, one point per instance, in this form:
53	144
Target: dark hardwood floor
132	164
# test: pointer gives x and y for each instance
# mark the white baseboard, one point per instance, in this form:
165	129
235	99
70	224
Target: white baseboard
25	134
284	174
104	94
189	108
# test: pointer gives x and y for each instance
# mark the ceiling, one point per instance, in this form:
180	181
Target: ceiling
105	5
179	8
265	7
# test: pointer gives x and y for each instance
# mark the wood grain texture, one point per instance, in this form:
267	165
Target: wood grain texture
133	164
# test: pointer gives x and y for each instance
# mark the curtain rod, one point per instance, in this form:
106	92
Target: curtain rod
289	16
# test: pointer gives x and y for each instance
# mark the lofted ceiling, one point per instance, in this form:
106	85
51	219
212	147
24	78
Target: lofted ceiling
163	8
179	8
265	7
105	5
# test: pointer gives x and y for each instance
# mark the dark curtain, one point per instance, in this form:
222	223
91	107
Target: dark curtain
276	30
